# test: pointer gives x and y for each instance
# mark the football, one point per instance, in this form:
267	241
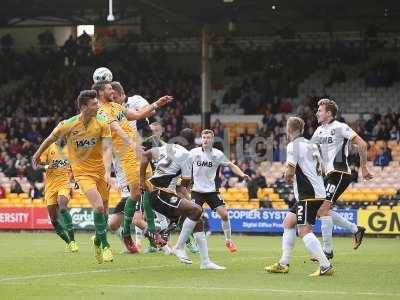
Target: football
102	74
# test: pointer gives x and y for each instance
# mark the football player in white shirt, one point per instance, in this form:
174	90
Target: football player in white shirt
333	139
171	200
206	162
304	170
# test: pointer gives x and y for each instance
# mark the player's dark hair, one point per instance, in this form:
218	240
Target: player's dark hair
188	136
117	86
85	96
100	85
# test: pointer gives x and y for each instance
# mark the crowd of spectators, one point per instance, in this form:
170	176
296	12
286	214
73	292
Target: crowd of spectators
52	77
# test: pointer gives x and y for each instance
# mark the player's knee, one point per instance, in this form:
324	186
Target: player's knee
289	221
98	208
224	216
195	212
63	209
113	226
199	226
136	219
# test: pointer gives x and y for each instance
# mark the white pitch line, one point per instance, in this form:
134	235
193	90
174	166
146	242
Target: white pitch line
261	290
39	276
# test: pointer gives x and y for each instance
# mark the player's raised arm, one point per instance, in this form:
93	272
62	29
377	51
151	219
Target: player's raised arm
115	127
46	143
148	110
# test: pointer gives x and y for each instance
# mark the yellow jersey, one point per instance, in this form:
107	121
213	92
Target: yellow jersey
84	143
115	112
59	169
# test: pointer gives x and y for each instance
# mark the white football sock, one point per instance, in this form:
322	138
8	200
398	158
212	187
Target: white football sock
202	244
338	220
187	228
226	227
138	235
314	247
326	230
288	241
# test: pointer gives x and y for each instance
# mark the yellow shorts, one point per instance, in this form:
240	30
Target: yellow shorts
87	183
51	195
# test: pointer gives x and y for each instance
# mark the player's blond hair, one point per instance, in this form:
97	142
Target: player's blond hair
207	131
296	124
330	105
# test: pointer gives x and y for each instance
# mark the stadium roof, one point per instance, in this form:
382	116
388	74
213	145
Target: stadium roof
195	12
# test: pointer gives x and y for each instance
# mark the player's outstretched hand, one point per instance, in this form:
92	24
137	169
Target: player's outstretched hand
366	173
107	179
164	100
246	177
35	161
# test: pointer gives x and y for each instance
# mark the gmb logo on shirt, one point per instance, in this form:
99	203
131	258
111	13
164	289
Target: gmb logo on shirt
85	143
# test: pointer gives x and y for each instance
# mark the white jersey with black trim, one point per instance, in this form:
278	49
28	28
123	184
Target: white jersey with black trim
333	140
206	165
172	163
121	179
303	156
135	102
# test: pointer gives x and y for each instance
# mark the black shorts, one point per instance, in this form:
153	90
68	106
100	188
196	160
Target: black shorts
307	211
119	208
165	203
335	184
213	199
293	207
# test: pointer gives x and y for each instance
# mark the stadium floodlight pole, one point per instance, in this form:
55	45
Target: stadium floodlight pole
110	17
205	78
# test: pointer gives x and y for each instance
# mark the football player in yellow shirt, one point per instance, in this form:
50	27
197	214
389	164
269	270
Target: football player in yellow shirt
57	191
89	145
125	152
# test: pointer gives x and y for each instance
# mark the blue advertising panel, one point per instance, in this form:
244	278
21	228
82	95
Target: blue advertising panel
267	220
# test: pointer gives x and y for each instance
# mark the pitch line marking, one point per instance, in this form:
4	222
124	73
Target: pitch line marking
39	276
261	290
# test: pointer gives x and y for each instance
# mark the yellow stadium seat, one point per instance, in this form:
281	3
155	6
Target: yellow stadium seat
12	195
15	201
372	207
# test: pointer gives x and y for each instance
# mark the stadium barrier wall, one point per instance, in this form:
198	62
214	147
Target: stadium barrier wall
242	220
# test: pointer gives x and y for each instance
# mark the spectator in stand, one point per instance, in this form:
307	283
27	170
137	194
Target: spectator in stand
372	151
381	159
387	151
269	120
286	105
35	191
257	181
2	192
15	187
265	202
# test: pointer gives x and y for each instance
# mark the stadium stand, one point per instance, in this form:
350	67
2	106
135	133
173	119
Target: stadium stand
37	102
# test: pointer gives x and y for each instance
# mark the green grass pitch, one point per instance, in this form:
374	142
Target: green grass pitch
34	266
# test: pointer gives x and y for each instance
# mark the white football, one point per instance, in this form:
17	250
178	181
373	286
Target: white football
102	74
